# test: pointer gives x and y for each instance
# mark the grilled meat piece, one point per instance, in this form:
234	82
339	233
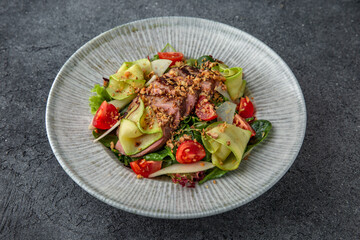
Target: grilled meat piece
173	107
182	71
161	86
190	103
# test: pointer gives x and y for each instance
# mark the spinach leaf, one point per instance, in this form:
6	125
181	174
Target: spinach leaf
200	125
213	173
250	119
192	123
106	141
262	129
160	155
164	155
168	162
190	62
191	126
126	160
196	135
203	59
168	45
220	99
96	100
207	157
156	57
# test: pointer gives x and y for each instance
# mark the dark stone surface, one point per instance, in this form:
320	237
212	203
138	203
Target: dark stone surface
318	198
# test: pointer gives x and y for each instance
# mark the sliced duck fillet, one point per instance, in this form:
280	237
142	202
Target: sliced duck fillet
182	71
207	87
161	87
190	103
173	107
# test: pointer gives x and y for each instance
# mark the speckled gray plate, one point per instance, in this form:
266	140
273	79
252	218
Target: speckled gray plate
277	95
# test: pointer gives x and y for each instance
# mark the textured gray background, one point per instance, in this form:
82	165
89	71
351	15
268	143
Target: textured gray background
317	199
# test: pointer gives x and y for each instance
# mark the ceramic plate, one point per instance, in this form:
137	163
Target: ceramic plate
277	96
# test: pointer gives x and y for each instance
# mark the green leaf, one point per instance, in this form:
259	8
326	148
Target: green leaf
126	160
220	100
262	129
164	155
213	173
249	119
193	127
96	100
168	162
190	62
201	125
207	156
160	155
156	57
203	59
168	45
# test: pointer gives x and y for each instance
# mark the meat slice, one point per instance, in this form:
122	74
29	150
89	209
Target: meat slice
181	77
161	87
182	71
207	87
173	107
190	102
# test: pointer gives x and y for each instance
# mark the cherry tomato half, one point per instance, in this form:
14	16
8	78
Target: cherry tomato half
190	152
205	110
173	56
242	123
145	168
246	108
106	116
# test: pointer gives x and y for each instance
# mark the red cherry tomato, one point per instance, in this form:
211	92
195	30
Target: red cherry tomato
106	116
242	123
205	110
246	108
145	168
190	152
173	56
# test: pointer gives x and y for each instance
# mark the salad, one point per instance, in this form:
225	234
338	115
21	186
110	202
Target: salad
184	118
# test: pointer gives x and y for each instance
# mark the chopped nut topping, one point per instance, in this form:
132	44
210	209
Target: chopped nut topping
223	127
213	135
127	74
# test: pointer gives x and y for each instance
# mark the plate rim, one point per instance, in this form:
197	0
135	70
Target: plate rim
78	180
